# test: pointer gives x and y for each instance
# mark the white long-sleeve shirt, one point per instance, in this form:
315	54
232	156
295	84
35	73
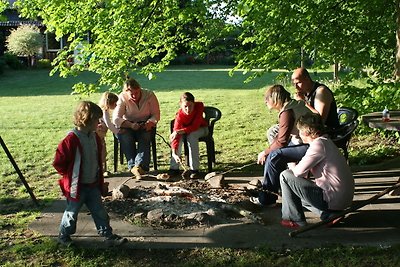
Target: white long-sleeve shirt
331	172
107	122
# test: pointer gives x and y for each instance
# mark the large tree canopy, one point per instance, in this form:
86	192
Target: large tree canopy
124	35
358	34
146	34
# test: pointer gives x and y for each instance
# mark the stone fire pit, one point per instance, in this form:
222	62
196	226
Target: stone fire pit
183	204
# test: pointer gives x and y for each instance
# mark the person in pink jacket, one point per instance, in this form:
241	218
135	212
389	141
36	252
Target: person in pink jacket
78	160
137	112
332	188
189	121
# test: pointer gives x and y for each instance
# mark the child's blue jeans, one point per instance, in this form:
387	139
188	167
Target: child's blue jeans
91	196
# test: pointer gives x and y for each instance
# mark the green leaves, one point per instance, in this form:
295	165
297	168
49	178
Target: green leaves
148	34
355	33
124	35
3	6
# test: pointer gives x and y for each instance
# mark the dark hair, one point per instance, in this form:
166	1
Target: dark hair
187	97
132	83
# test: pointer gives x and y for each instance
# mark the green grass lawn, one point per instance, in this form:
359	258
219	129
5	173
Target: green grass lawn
36	114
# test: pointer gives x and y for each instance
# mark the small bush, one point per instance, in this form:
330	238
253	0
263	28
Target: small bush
13	61
43	64
183	59
375	95
3	65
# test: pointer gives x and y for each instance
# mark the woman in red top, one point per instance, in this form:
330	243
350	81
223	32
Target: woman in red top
188	120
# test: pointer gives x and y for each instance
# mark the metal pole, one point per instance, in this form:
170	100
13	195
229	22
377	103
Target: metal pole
18	171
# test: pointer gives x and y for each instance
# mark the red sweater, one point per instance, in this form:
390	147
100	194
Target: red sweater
68	162
189	122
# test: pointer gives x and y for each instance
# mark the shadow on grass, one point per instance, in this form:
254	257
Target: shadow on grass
11	205
38	82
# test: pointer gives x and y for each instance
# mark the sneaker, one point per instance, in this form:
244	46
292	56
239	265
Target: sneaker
194	174
65	240
137	171
257	202
254	184
163	176
292	224
326	215
115	240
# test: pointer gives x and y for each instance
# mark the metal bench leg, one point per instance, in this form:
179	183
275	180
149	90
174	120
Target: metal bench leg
115	154
154	152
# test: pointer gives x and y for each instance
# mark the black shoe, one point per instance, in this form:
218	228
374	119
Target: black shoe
115	240
186	174
173	172
65	240
256	201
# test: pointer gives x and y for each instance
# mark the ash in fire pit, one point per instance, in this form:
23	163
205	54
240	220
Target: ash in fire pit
183	204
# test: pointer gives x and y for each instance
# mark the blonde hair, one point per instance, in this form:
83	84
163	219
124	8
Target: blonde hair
86	112
311	124
107	98
278	95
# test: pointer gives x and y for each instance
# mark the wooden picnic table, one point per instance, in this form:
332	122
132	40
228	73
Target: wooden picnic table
374	120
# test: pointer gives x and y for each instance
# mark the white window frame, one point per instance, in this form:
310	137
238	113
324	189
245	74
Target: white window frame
62	43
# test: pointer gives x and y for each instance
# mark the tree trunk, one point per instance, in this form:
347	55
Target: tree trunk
336	71
302	58
397	71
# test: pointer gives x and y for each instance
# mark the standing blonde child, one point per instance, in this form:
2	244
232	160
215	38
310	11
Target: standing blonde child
108	102
78	161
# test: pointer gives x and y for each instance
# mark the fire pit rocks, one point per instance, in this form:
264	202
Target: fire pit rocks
183	204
